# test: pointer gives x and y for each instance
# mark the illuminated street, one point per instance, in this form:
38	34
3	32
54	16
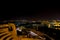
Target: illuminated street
33	30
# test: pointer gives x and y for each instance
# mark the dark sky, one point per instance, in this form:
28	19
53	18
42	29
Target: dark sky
43	13
35	14
34	10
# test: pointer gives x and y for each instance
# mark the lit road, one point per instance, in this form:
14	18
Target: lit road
41	35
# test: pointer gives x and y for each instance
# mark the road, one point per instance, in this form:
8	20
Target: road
40	34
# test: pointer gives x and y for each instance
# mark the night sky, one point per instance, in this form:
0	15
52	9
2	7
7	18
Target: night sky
33	14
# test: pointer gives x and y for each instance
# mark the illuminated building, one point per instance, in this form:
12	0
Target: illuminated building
54	24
